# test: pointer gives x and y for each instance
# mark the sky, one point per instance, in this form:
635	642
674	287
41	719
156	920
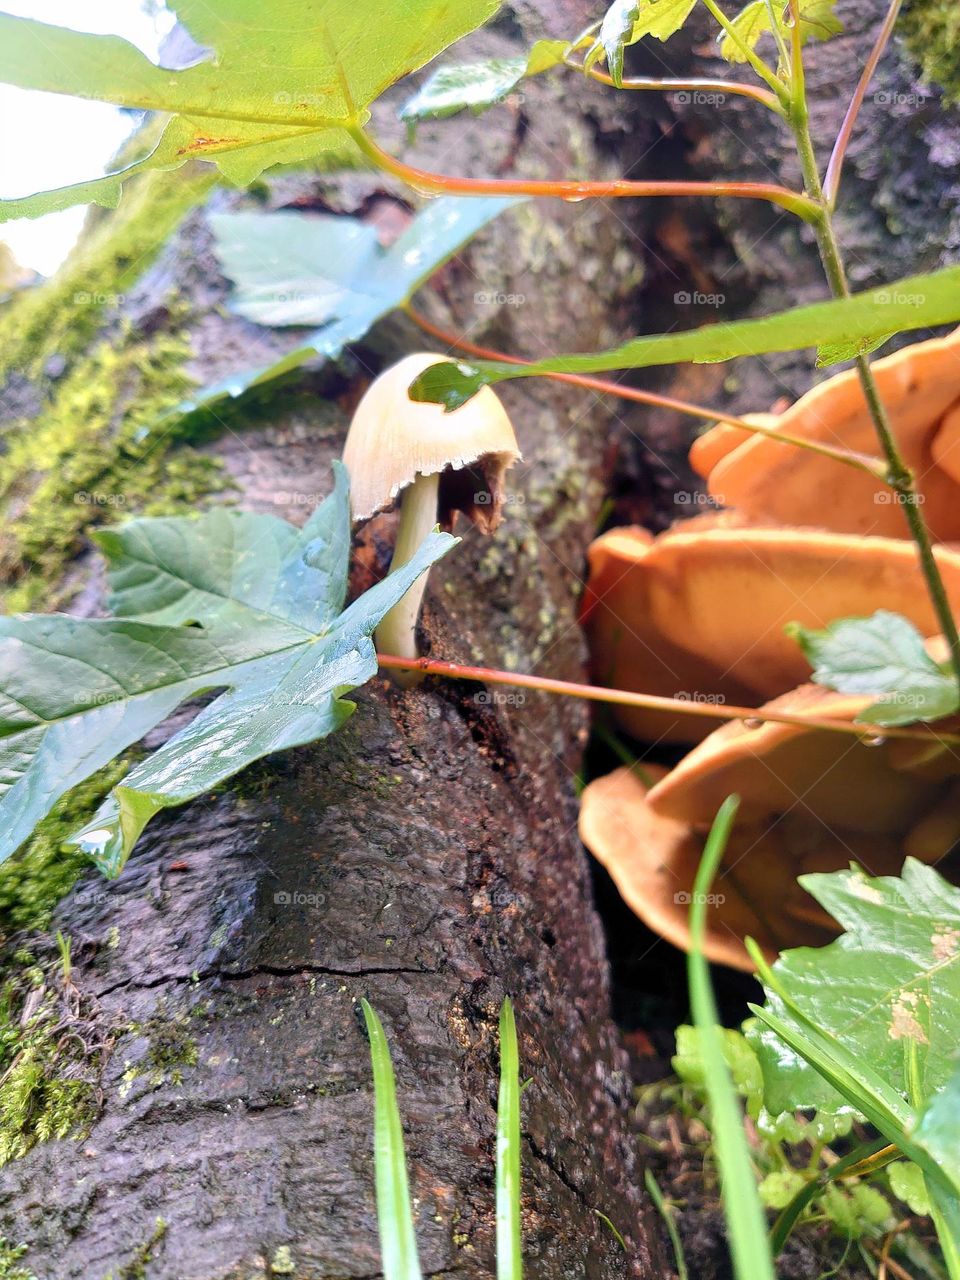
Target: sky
49	140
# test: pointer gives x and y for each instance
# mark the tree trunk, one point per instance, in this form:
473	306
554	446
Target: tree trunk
433	839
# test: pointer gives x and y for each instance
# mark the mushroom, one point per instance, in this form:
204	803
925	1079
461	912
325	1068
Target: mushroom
811	800
437	463
698	613
769	480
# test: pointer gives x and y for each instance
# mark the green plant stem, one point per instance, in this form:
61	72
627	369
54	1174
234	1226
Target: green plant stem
760	67
899	476
861	461
650	701
438	184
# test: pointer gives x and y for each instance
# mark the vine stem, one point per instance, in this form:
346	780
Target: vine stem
849	457
436	184
693	85
899	476
831	182
652	702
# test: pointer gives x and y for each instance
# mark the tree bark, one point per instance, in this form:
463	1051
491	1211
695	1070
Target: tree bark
434	838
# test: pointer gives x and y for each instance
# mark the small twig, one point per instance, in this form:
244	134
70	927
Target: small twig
653	702
760	67
831	183
849	457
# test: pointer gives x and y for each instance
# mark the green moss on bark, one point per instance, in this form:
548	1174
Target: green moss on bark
931	30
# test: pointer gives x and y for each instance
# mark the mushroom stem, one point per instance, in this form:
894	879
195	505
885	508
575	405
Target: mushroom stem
397	633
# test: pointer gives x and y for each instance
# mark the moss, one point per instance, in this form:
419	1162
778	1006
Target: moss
282	1264
136	1268
10	1255
170	1048
95	454
931	31
34	880
52	1050
60	317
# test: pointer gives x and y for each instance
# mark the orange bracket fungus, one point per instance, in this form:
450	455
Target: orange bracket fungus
768	480
811	800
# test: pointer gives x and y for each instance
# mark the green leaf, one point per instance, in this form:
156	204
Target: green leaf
267	599
911	304
627	21
907	1184
817	22
836	353
475	86
398	1244
509	1256
298	269
281	80
737	1053
777	1189
938	1127
884	655
887	991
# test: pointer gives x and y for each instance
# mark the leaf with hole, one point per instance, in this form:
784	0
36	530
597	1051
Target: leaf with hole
269	630
277	82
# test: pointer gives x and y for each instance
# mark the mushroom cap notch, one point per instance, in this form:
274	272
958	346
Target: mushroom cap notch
392	440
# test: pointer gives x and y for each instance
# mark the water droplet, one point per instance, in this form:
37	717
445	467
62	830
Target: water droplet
572	199
875	740
753	722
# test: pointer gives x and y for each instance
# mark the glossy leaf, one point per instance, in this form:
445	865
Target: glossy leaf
627	21
301	269
817	22
280	80
475	86
267	599
887	991
884	655
398	1244
911	304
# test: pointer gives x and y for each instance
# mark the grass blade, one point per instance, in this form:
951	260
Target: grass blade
398	1245
509	1257
666	1213
749	1247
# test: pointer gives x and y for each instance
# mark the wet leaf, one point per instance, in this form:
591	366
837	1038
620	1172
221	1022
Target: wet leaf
916	303
627	21
817	22
884	655
475	86
302	269
270	632
280	81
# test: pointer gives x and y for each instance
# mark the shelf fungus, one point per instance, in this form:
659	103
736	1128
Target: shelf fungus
768	480
435	463
698	613
811	800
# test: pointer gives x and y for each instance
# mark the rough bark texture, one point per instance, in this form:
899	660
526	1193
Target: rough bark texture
435	837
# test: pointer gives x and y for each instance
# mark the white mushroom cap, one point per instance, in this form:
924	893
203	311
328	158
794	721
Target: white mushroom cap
393	439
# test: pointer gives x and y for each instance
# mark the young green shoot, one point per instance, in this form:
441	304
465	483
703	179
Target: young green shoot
509	1257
